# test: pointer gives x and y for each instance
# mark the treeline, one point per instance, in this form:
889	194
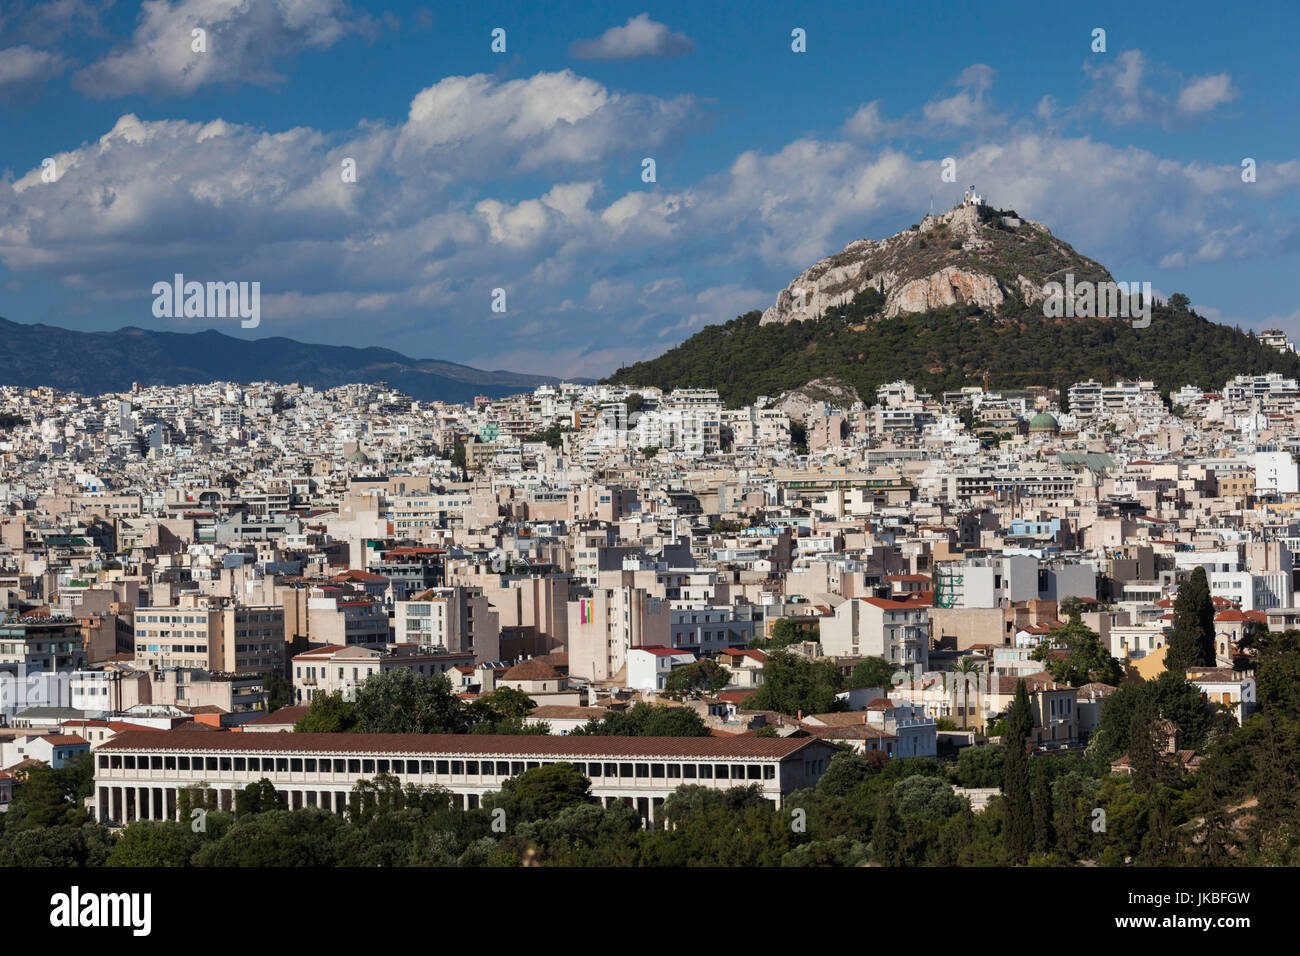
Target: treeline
403	702
950	349
1241	807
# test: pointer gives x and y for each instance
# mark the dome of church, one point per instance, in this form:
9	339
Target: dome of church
1043	422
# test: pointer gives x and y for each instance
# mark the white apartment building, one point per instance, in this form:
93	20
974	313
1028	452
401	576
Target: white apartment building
648	667
898	631
335	669
459	619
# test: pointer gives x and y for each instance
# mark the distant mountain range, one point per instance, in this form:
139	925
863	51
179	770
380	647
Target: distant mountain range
96	362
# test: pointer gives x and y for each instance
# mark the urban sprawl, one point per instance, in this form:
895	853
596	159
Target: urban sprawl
186	569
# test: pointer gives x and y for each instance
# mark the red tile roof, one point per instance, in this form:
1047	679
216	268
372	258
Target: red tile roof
524	745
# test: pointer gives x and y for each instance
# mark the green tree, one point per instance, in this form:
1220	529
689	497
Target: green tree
458	460
967	672
504	712
1086	659
785	632
872	672
927	798
256	798
45	798
646	720
1145	740
702	676
1018	828
548	790
793	685
1277	672
276	838
848	771
1191	641
155	843
981	766
401	701
328	714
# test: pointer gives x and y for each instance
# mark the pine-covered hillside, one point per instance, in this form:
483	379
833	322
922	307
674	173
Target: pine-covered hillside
950	349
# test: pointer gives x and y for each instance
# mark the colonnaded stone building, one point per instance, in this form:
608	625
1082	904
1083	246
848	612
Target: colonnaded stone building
139	774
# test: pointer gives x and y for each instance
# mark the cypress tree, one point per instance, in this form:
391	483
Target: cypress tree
1042	809
1191	643
1019	826
1143	753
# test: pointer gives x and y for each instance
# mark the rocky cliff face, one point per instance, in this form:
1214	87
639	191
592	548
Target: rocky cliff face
971	255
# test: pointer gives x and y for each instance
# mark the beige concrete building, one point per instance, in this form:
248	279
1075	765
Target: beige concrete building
236	639
602	627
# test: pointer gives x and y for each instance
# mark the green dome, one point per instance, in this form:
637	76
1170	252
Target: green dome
1043	422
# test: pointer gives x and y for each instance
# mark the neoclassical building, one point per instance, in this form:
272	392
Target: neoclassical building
139	774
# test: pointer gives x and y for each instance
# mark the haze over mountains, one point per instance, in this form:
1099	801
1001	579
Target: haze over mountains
955	300
96	362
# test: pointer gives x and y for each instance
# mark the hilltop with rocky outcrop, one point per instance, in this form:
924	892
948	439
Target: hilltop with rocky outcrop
972	255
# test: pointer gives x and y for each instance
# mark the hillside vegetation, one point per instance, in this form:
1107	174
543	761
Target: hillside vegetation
950	349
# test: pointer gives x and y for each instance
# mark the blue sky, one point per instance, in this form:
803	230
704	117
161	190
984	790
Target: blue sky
522	170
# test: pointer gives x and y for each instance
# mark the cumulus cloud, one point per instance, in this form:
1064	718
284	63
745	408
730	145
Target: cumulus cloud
1130	89
478	125
243	40
866	123
965	113
639	38
21	66
1206	93
598	267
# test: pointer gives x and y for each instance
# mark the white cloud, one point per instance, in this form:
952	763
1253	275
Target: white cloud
1206	93
243	39
23	65
480	126
639	38
1130	89
623	269
866	123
